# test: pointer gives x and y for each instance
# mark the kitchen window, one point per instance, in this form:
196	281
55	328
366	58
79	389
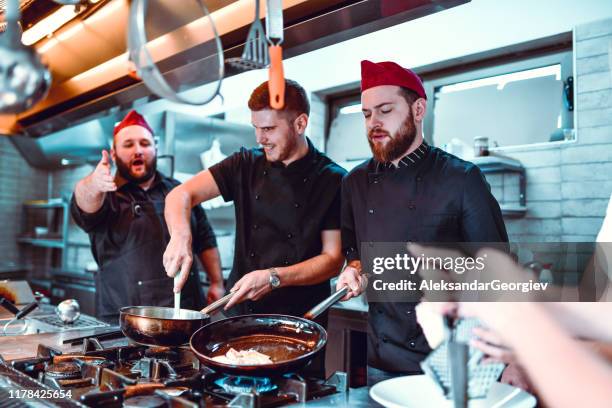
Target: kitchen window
518	103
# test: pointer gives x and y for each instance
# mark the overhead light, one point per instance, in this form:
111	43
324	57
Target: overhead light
356	108
502	80
48	25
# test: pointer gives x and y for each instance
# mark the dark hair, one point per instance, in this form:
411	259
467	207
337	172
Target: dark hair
296	100
409	95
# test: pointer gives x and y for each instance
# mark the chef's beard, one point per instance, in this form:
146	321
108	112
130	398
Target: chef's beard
286	150
397	146
123	169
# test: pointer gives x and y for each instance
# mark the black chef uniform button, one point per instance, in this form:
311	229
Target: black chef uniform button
419	178
412	207
252	254
255	226
250	309
371	211
296	205
412	344
257	196
305	179
409	312
265	172
289	235
380	311
376	181
286	262
385	339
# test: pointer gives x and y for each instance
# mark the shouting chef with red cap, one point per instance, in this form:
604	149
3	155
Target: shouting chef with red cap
409	191
124	217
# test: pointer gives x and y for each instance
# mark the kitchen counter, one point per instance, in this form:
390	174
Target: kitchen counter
25	346
355	398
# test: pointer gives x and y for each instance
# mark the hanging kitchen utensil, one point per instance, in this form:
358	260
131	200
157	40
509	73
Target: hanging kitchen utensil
208	70
255	53
276	75
24	79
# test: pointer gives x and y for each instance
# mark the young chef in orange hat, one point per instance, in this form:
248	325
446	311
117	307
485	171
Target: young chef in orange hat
408	191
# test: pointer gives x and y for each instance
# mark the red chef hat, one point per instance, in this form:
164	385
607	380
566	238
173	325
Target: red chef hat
389	73
132	118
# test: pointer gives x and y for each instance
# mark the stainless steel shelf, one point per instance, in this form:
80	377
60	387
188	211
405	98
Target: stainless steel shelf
503	164
46	204
513	211
498	164
41	242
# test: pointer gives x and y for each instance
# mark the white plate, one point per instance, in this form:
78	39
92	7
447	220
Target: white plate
420	391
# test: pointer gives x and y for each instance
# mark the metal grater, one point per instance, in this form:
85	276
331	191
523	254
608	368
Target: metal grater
481	376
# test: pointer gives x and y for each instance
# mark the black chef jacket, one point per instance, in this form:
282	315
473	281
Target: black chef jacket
128	237
432	196
280	214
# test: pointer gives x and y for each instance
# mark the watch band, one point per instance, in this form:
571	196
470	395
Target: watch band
274	278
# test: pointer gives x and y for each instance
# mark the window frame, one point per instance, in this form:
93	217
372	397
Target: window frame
564	57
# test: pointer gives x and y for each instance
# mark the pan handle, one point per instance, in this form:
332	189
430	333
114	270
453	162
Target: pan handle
326	304
216	305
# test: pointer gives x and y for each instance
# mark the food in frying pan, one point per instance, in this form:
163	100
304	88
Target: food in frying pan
243	357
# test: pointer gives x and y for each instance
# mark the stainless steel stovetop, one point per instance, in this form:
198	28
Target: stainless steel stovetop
44	320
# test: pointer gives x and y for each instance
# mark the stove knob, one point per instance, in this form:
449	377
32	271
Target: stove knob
68	311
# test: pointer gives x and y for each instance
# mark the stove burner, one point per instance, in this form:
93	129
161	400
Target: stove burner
163	353
236	385
63	371
144	401
99	362
174	391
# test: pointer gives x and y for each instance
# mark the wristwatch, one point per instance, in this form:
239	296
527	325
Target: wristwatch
274	278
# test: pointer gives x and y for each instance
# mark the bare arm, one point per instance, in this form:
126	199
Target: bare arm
177	212
211	261
90	191
320	268
583	319
182	198
317	269
539	341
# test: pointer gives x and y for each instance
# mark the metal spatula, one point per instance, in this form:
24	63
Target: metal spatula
255	53
177	297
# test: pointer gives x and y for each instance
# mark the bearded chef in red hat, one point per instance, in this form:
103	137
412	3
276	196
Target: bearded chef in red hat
408	191
124	217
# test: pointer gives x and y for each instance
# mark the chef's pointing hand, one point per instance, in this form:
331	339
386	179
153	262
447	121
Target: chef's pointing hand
101	180
178	258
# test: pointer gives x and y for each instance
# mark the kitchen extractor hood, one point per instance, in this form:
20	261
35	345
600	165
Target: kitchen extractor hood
88	57
82	144
91	75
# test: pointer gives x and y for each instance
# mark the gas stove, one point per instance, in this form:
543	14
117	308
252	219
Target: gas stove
141	376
